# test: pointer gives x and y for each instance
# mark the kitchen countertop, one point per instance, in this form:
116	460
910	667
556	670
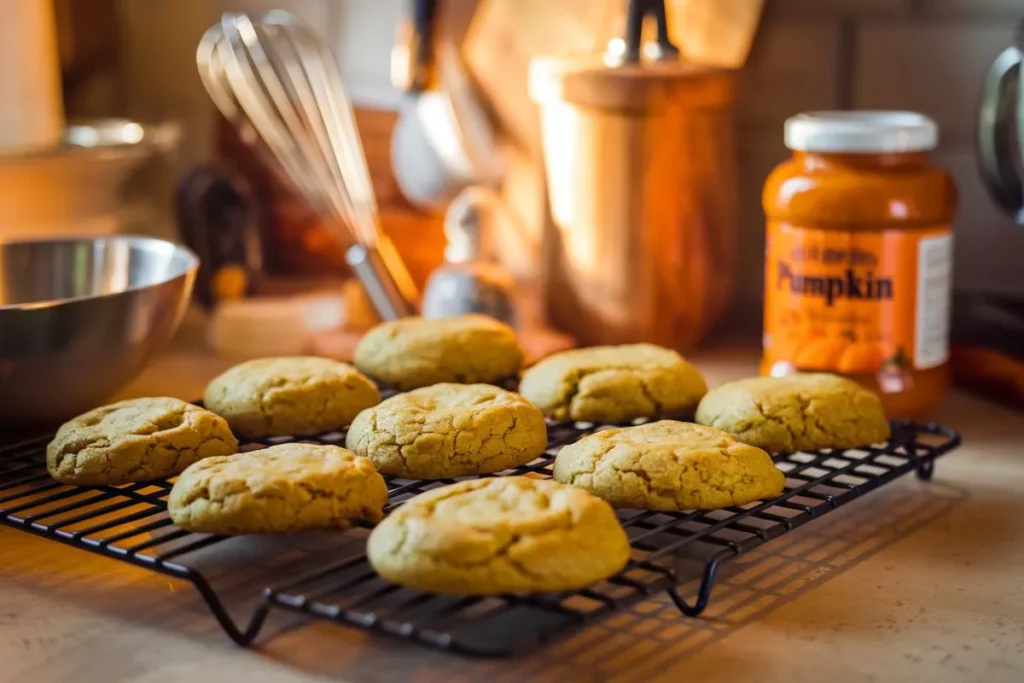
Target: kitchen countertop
917	581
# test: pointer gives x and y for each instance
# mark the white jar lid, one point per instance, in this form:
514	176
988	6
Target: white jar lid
861	132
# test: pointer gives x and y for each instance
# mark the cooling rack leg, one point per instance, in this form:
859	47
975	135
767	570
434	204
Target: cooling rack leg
925	470
241	637
703	593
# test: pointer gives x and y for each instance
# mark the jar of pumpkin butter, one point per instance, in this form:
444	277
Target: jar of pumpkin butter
858	257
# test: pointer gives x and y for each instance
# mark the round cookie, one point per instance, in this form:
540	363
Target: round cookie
417	352
449	430
282	489
670	466
499	535
139	439
290	395
798	412
614	384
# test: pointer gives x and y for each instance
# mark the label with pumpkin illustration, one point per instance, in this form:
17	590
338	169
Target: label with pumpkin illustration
856	301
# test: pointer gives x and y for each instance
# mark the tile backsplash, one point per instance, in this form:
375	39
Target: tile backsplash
925	55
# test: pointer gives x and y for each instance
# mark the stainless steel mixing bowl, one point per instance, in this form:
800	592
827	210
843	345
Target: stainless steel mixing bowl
80	317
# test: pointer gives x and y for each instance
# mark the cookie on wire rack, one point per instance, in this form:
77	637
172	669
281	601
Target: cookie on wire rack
499	535
417	352
669	466
798	412
614	384
137	440
449	430
282	489
287	396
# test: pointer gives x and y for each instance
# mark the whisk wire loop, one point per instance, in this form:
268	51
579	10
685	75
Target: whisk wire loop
273	77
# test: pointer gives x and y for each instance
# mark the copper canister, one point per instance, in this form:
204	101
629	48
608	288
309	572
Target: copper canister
641	172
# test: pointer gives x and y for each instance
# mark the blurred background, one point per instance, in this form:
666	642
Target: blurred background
443	102
136	58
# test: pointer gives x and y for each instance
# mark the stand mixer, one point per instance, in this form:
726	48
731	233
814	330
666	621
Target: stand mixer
1001	129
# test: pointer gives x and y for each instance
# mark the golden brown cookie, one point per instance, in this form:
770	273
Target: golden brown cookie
669	465
139	439
417	352
290	395
282	489
449	430
614	384
499	535
798	412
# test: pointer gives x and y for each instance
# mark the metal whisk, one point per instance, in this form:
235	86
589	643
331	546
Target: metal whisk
273	76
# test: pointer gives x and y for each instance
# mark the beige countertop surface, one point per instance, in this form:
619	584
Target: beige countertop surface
914	582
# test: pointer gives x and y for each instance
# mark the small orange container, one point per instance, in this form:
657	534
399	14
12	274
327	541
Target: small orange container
858	258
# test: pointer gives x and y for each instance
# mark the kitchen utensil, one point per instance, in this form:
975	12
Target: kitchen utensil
470	281
74	188
1000	143
79	317
220	220
443	141
273	76
641	173
411	58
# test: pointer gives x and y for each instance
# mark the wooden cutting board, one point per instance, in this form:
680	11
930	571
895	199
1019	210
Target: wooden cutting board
714	32
505	36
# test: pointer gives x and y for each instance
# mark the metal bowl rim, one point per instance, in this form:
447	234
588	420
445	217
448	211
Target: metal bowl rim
191	267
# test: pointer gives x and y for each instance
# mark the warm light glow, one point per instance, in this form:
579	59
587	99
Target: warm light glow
898	208
590	219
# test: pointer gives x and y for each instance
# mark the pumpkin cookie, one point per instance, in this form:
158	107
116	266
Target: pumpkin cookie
797	412
669	465
614	384
282	489
290	395
499	535
417	352
136	440
449	430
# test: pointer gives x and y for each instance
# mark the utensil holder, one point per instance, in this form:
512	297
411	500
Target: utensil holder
641	176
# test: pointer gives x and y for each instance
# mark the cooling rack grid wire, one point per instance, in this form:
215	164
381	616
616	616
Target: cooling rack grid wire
326	575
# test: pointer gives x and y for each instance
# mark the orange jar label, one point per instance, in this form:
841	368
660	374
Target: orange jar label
858	301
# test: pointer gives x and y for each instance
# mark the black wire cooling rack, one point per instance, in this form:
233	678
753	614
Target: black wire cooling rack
327	576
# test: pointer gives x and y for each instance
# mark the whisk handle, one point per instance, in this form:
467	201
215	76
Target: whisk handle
381	289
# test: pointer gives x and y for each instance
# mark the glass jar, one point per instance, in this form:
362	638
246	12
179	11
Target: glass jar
858	257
